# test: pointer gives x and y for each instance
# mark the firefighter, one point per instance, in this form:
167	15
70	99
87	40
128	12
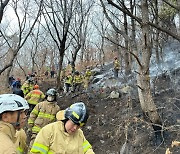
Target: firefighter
43	114
20	135
77	81
65	135
87	77
12	118
116	67
34	97
68	82
27	86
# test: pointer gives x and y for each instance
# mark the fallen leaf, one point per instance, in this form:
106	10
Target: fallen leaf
175	143
168	151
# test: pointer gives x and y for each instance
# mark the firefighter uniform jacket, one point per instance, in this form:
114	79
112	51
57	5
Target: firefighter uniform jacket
35	96
69	79
77	79
88	74
53	139
26	88
7	138
116	64
42	114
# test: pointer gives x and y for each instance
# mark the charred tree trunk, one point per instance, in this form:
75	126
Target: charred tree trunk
143	79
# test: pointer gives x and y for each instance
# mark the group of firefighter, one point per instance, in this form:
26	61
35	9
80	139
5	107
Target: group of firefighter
49	129
75	81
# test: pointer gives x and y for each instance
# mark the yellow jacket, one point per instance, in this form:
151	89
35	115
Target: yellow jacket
7	138
26	87
35	96
88	74
20	143
69	79
77	79
116	64
42	114
53	139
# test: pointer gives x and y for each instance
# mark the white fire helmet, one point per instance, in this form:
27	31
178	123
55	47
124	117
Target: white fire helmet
12	102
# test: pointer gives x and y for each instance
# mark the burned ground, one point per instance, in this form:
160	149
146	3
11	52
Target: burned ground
115	126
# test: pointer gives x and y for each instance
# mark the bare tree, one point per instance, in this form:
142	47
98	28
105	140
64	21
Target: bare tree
101	27
37	42
22	34
78	30
58	16
143	77
66	26
143	60
123	8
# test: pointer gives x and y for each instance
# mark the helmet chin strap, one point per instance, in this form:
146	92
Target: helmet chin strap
16	124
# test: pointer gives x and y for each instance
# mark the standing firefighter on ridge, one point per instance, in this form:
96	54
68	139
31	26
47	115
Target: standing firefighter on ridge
68	83
87	78
116	64
77	81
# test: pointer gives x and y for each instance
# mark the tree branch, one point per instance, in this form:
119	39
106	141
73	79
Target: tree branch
139	20
172	5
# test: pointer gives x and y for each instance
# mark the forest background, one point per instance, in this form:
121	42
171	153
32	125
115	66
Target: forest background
42	35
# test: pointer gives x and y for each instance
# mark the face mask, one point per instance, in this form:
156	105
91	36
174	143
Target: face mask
50	98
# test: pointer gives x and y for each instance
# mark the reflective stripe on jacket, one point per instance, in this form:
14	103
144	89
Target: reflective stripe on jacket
42	114
53	139
35	96
69	79
7	139
19	150
88	74
26	88
116	64
77	79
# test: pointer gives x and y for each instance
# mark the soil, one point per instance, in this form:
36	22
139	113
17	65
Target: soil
116	127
